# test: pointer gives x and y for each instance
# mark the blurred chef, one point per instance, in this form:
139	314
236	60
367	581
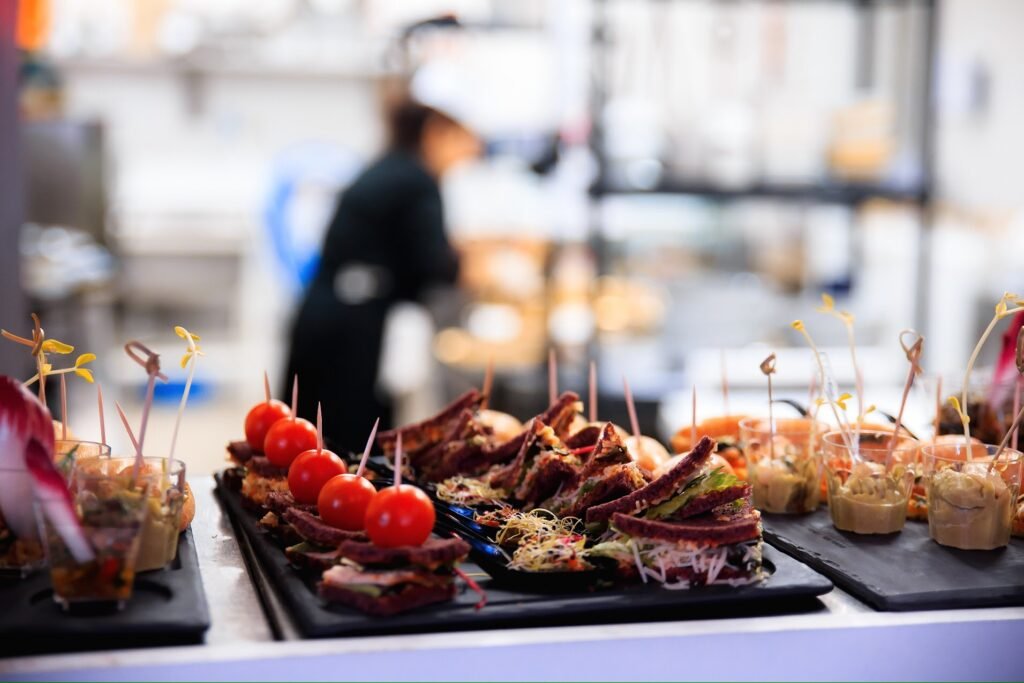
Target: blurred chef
385	244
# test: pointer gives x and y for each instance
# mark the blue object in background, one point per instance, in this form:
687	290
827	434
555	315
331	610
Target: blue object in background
306	180
170	392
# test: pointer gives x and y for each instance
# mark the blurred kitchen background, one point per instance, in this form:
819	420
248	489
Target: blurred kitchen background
667	184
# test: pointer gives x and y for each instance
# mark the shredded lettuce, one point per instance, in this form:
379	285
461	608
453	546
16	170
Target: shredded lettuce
716	480
365	588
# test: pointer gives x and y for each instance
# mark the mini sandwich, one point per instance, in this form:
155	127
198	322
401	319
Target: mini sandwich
693	526
458	441
277	504
386	581
606	473
318	542
725	430
262	479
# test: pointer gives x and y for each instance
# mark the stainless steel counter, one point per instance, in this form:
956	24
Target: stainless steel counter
844	639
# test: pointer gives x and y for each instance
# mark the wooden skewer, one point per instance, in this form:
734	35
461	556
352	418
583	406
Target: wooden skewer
634	422
295	398
552	377
488	383
127	427
1016	408
693	417
63	409
398	461
768	368
103	419
139	353
319	430
938	410
914	356
366	451
725	380
266	386
592	398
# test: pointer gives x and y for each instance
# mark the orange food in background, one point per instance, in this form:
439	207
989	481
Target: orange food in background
722	427
33	25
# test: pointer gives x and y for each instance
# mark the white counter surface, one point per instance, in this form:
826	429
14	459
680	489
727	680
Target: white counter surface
844	639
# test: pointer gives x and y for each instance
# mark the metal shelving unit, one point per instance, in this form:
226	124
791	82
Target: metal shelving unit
919	194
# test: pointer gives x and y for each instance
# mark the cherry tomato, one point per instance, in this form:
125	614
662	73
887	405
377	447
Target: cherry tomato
310	471
259	420
287	438
399	515
343	501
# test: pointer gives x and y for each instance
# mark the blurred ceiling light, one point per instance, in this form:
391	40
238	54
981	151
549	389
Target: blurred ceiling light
571	324
452	345
494	323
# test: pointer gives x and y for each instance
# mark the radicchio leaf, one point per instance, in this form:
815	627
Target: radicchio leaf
22	419
55	501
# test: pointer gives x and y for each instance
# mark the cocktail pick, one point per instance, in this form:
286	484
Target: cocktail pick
40	346
150	361
552	377
369	445
938	410
63	409
768	369
190	359
1002	310
592	396
488	383
266	386
913	353
103	418
725	380
1018	385
634	423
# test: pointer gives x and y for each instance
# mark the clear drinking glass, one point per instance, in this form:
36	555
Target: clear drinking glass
67	452
92	546
782	462
868	485
971	502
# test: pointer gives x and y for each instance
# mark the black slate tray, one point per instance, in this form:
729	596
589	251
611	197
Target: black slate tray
904	571
168	607
792	587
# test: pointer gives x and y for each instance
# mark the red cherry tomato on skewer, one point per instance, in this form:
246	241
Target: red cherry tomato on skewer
399	516
287	438
343	501
260	419
310	471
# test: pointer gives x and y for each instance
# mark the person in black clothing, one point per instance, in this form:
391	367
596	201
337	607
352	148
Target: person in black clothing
385	244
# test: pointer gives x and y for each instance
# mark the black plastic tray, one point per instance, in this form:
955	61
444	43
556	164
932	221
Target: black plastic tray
904	571
792	587
168	607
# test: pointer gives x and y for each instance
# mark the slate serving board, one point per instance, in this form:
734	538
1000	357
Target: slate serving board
904	571
792	587
168	607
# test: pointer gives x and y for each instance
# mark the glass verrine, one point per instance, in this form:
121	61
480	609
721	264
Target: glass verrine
868	485
971	502
21	549
782	462
92	547
67	452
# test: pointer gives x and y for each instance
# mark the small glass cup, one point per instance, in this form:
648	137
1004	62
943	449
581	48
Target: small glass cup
67	452
971	502
92	546
868	491
782	461
21	549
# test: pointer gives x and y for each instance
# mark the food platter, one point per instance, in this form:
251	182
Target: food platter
791	587
168	607
904	571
